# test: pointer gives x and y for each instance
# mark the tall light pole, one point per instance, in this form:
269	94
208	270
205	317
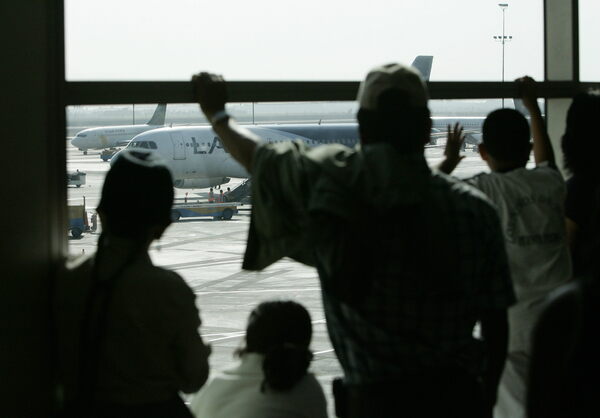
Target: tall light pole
503	38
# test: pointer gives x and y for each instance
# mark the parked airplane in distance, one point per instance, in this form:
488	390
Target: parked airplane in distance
197	158
114	136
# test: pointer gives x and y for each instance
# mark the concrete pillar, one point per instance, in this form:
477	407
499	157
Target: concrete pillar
33	197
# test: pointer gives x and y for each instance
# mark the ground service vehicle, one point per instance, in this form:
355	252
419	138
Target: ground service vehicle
224	211
108	153
76	178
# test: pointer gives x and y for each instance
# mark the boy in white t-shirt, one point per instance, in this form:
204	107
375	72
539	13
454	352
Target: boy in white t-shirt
530	203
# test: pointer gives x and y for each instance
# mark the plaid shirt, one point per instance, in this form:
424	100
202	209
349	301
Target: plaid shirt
408	259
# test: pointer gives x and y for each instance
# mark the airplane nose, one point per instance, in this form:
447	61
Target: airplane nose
77	142
115	157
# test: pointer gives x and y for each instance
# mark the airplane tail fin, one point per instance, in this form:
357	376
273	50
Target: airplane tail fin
423	64
158	118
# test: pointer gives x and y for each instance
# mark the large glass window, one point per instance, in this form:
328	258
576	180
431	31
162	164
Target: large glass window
589	34
207	252
96	133
268	40
307	40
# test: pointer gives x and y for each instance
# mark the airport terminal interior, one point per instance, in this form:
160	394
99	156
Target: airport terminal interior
72	66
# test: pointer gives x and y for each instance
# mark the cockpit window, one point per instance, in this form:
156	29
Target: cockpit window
141	144
81	135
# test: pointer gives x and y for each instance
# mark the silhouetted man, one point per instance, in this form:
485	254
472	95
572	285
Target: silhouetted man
409	259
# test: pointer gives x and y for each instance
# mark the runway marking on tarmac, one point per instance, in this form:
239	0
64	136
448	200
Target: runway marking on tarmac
220	333
323	352
252	279
210	262
236	334
235	275
202	238
236	253
261	278
200	265
227	338
306	289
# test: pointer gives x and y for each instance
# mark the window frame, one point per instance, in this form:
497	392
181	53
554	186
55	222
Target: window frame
556	85
561	82
140	92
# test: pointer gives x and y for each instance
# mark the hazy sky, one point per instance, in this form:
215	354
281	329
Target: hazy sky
309	39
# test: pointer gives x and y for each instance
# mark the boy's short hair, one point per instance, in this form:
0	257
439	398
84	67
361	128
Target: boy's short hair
506	136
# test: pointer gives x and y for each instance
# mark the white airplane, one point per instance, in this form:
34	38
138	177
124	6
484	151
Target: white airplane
114	136
198	160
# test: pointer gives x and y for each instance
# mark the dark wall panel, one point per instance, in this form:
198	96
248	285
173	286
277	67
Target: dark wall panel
32	198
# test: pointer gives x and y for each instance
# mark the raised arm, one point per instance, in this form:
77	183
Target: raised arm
452	155
210	91
542	148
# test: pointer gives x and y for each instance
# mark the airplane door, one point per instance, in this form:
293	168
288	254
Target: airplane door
178	146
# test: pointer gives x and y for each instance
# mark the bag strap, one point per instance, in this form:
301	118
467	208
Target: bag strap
94	326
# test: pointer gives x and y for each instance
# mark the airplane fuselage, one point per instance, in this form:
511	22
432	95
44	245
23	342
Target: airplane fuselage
106	137
114	136
195	152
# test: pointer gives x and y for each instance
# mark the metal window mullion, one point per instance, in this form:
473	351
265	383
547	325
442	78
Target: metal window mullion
80	93
561	45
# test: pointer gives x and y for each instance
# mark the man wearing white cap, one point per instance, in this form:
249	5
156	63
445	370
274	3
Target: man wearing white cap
409	259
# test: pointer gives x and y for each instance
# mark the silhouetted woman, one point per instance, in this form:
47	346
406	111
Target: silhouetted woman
127	331
272	378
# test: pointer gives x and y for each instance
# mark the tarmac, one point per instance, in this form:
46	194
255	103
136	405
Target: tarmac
208	253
